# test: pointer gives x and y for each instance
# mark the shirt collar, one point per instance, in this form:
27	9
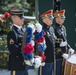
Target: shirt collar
58	25
19	27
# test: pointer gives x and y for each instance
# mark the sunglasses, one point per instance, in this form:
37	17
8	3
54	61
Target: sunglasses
63	18
20	16
51	17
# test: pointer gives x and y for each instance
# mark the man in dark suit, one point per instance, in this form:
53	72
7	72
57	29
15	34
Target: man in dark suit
14	42
47	18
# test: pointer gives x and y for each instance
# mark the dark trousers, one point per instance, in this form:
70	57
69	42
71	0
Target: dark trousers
19	72
47	69
59	67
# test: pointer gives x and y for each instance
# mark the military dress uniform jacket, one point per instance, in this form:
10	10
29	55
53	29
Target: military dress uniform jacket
14	43
49	52
60	33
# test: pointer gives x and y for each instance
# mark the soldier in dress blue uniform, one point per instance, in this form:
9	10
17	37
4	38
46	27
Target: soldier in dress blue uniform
14	42
47	19
61	43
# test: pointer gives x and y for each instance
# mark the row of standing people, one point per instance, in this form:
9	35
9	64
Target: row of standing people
55	40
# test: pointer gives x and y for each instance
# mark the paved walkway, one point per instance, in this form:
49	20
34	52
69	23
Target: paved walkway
4	72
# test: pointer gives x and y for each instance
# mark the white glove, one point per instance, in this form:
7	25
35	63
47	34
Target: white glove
65	55
71	51
29	62
38	27
43	64
37	62
62	44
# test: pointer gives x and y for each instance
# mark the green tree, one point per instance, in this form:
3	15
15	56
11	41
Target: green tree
32	8
6	5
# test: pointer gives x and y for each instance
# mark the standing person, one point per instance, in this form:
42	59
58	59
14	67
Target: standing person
61	42
14	42
47	19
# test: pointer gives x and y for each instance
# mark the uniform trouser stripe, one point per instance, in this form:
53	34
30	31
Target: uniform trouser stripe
40	70
13	73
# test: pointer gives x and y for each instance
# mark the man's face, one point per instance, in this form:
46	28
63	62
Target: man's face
59	20
18	20
48	21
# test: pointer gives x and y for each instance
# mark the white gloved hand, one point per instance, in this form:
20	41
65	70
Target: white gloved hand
43	64
38	27
62	44
37	62
65	55
71	51
29	62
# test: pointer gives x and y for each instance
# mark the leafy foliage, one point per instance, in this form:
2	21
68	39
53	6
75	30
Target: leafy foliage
3	54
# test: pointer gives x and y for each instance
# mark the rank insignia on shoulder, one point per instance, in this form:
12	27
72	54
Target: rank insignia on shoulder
11	41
